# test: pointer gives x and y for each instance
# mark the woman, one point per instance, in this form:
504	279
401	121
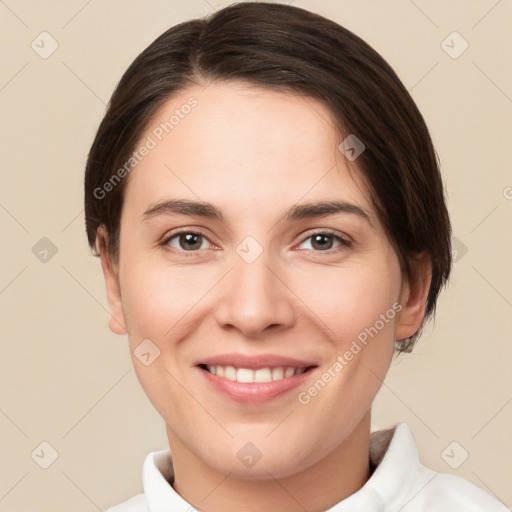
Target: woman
266	202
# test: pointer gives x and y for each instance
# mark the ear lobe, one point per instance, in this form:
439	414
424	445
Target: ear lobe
110	273
414	297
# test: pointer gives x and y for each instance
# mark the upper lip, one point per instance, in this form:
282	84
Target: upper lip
254	362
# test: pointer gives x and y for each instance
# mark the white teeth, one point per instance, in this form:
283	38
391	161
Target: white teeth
277	373
248	375
230	372
289	371
263	375
244	375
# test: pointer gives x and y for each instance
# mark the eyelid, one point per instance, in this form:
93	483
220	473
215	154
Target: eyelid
179	231
327	231
344	239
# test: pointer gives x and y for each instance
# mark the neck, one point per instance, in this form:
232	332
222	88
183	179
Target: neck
341	473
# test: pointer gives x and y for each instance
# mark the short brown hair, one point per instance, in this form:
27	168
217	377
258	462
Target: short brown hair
288	48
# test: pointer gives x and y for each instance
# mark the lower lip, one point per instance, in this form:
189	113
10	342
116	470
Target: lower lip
255	392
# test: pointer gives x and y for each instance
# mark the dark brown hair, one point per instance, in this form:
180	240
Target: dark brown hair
288	48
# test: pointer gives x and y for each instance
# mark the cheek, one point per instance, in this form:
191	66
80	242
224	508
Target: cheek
162	304
358	309
352	300
156	297
159	306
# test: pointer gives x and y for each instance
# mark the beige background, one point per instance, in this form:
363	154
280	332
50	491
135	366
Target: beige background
66	380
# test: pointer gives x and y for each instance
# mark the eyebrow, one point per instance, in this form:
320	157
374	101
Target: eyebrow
295	213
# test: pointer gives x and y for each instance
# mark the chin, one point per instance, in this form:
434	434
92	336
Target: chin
260	461
262	470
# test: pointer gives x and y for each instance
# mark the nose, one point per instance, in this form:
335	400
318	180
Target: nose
254	298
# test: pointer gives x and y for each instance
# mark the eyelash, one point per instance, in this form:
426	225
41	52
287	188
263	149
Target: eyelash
344	242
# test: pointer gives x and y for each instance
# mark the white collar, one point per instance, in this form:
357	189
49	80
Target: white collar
393	451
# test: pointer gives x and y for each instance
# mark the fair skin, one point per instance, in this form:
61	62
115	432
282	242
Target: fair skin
254	154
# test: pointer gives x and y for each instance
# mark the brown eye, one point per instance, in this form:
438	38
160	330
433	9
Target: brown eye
186	241
324	241
321	241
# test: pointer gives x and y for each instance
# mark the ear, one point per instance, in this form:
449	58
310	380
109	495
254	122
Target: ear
110	273
413	297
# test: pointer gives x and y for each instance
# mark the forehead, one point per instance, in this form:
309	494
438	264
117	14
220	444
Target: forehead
231	141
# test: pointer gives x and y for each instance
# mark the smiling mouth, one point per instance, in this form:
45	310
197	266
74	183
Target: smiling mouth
259	375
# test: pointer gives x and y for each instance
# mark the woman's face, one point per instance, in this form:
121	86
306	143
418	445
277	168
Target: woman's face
232	272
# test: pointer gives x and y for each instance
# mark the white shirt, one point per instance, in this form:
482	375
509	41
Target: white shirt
399	483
